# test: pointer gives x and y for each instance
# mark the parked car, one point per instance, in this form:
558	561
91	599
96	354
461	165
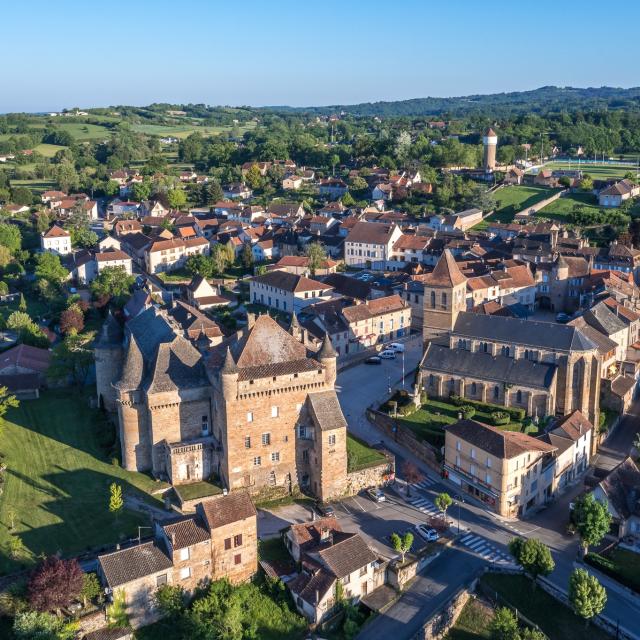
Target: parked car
427	533
373	360
563	318
387	354
325	510
396	346
376	494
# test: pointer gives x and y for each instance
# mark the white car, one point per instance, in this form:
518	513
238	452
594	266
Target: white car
376	495
396	346
388	354
427	533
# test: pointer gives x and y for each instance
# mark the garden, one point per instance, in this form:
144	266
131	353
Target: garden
620	564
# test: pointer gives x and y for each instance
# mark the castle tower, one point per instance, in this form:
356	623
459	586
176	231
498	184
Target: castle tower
490	142
108	356
229	376
328	358
444	297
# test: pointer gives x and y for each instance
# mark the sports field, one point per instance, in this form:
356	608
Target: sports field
596	171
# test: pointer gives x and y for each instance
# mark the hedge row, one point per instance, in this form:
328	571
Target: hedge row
610	568
515	413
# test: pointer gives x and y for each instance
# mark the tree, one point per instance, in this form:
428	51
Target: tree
253	177
4	287
91	588
10	237
533	556
504	625
199	265
55	584
17	548
532	634
71	360
116	501
117	610
359	184
170	600
443	501
411	474
50	269
113	283
586	184
32	625
586	595
176	198
247	256
214	192
316	253
5	256
219	258
22	305
28	331
72	320
22	196
7	400
592	520
402	544
141	190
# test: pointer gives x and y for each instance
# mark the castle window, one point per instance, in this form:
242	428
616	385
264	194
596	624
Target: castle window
519	396
249	416
205	425
237	540
505	351
275	456
431	380
444	300
496	392
332	439
247	442
266	439
305	455
302	431
274	412
474	388
433	299
257	461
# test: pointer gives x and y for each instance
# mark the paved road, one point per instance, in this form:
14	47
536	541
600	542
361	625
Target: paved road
358	388
618	445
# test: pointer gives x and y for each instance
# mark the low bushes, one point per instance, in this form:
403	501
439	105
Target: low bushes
401	402
499	418
467	411
515	413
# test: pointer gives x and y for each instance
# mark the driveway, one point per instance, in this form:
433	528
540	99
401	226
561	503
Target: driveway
618	445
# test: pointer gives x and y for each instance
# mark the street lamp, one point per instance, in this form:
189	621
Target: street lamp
458	499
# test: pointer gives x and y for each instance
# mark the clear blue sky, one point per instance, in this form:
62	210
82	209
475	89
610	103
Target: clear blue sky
68	53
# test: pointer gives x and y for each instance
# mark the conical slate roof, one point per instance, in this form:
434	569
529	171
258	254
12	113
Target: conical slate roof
229	366
326	350
133	369
447	273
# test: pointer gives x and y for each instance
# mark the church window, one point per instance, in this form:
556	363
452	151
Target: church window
433	299
305	455
205	425
444	300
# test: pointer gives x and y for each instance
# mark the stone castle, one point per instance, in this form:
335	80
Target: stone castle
258	411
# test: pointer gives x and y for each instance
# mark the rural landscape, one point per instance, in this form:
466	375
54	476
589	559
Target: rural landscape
283	359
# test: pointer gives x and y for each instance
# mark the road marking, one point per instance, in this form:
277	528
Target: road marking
467	537
344	506
358	504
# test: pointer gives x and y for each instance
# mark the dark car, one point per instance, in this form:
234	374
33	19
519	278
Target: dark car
563	318
373	360
325	510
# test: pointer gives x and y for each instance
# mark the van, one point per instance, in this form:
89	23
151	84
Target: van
396	346
388	354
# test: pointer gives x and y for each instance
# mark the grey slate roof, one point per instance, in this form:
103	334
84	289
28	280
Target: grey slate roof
325	407
532	333
600	317
622	487
133	369
150	328
488	367
347	556
178	365
133	563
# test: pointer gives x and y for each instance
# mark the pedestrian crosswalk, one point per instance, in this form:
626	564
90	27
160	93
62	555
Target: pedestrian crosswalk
486	550
425	506
423	484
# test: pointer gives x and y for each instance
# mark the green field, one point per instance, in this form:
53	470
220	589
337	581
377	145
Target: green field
510	200
559	209
183	131
58	477
37	185
83	131
48	150
360	455
596	171
473	623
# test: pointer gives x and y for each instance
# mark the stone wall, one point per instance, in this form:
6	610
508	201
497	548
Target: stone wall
404	436
439	624
375	476
224	556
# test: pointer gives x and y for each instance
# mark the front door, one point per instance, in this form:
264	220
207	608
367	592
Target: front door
363	589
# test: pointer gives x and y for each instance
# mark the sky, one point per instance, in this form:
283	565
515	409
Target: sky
134	52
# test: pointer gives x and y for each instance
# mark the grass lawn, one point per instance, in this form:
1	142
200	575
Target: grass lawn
622	565
177	275
84	131
473	622
556	620
596	171
361	456
48	150
559	209
510	200
428	421
58	477
197	490
37	185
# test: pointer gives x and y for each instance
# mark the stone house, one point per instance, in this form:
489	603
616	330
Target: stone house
617	193
328	557
370	245
170	254
201	294
509	471
287	292
56	240
218	541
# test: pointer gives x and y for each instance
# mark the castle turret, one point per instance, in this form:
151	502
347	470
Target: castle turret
108	356
489	142
229	376
328	358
